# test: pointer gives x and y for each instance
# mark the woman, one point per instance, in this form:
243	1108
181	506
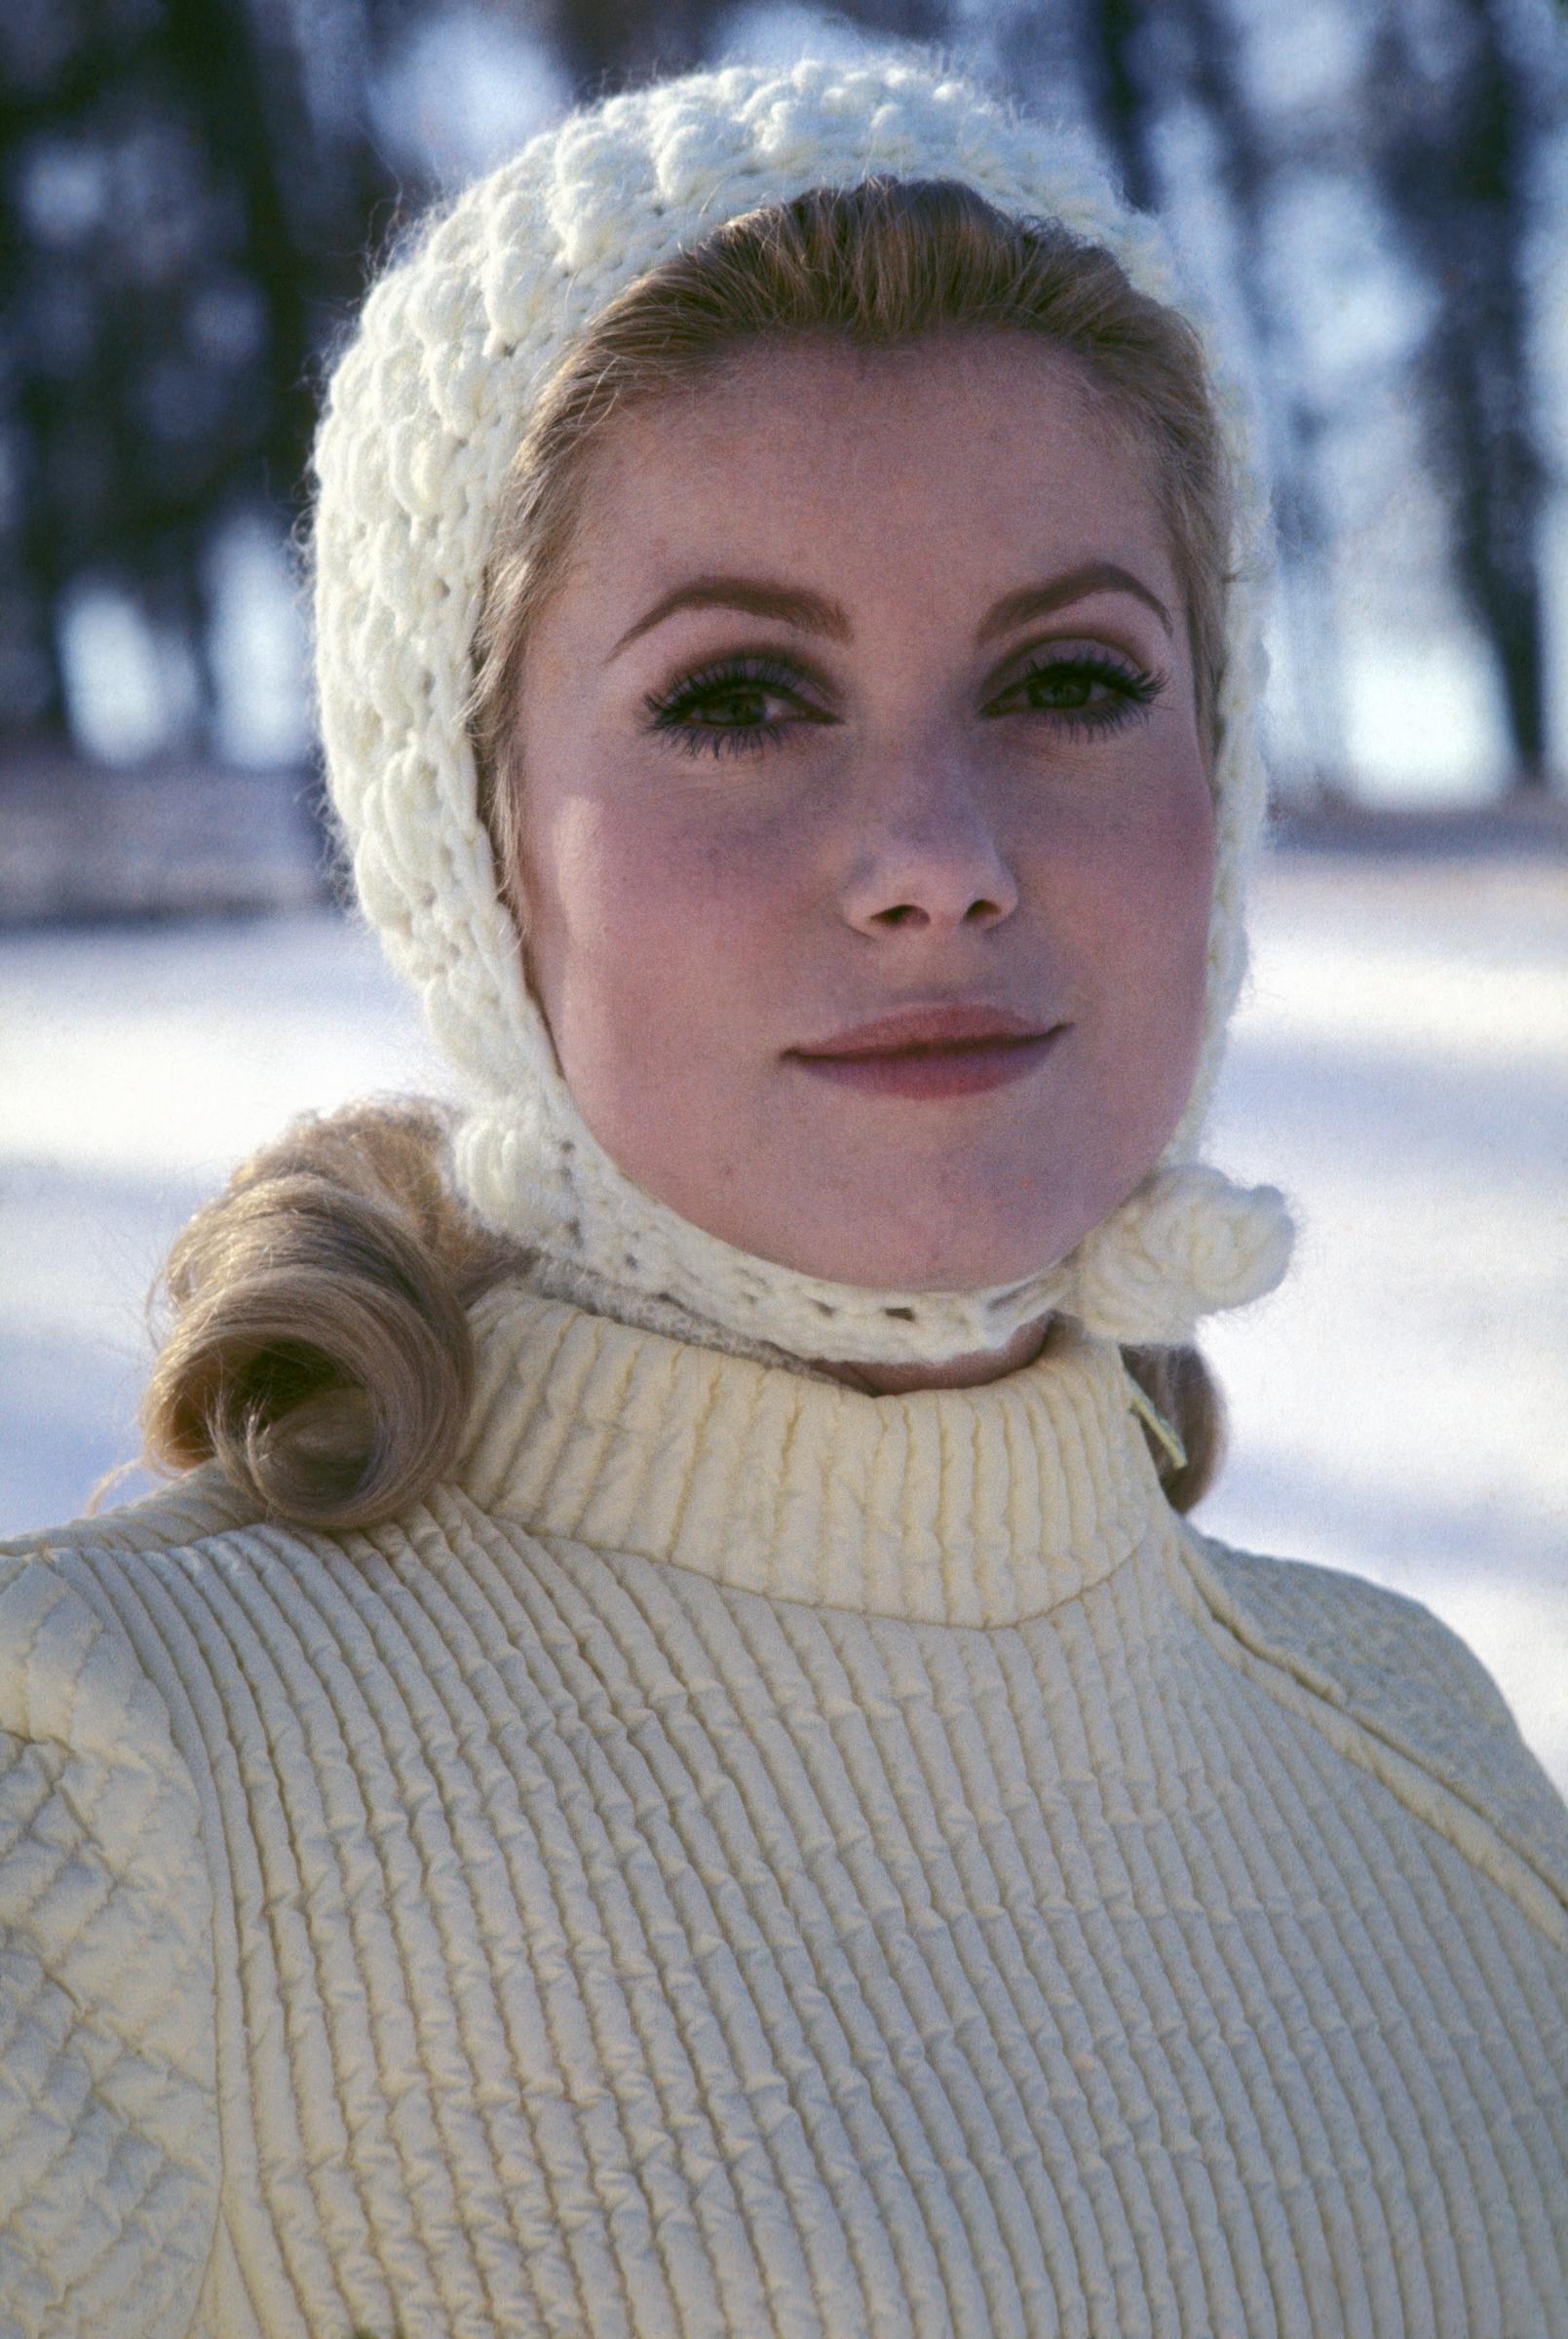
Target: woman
673	1764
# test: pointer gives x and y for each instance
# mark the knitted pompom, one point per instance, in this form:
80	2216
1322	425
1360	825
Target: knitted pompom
1186	1243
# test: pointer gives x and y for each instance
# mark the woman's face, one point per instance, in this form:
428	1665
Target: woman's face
866	691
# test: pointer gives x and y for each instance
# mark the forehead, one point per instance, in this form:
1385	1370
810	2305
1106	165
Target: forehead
977	435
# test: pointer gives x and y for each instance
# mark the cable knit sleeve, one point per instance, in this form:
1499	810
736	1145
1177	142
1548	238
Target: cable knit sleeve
109	2155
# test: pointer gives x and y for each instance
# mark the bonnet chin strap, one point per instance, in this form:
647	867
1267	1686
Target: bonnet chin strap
1187	1242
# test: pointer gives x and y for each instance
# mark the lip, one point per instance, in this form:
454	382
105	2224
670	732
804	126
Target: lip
933	1052
949	1022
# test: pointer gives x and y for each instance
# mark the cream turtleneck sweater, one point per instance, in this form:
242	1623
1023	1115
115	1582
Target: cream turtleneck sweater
746	1857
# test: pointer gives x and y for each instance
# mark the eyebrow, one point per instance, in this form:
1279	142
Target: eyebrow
814	613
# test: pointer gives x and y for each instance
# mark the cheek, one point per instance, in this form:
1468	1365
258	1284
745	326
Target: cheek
1143	896
646	930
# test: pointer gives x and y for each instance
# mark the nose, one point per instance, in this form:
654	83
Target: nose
926	855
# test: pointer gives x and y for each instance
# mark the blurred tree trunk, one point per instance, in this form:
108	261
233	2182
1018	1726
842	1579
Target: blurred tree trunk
1137	64
1306	532
1107	37
1456	155
177	234
603	43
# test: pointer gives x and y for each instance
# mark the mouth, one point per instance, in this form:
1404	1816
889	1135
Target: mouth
935	1068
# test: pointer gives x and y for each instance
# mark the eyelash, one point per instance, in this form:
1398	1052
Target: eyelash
1136	690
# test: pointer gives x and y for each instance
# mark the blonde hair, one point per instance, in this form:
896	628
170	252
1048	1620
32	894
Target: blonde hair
320	1347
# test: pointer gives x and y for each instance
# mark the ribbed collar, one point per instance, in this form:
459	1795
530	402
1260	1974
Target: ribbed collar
977	1506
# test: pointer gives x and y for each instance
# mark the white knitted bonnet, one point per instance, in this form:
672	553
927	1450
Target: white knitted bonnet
425	408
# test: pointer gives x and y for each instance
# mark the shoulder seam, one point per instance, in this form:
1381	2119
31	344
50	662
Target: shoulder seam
1535	1885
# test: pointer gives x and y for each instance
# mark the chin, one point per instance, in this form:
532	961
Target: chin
890	1228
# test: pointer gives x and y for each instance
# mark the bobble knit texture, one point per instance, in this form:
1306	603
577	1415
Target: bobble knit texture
747	1860
425	410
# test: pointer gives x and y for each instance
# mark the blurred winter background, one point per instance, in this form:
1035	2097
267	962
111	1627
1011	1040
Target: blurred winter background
1375	193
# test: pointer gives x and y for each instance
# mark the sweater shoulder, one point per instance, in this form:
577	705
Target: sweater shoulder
109	2136
1402	1676
187	1510
157	1578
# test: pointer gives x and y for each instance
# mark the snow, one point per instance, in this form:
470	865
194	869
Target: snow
1399	1065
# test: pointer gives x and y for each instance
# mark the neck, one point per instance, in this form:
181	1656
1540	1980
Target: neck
584	1287
957	1372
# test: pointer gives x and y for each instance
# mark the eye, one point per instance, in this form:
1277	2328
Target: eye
1085	692
718	711
721	708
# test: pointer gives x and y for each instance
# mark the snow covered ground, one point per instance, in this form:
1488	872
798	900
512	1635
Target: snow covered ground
1399	1065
